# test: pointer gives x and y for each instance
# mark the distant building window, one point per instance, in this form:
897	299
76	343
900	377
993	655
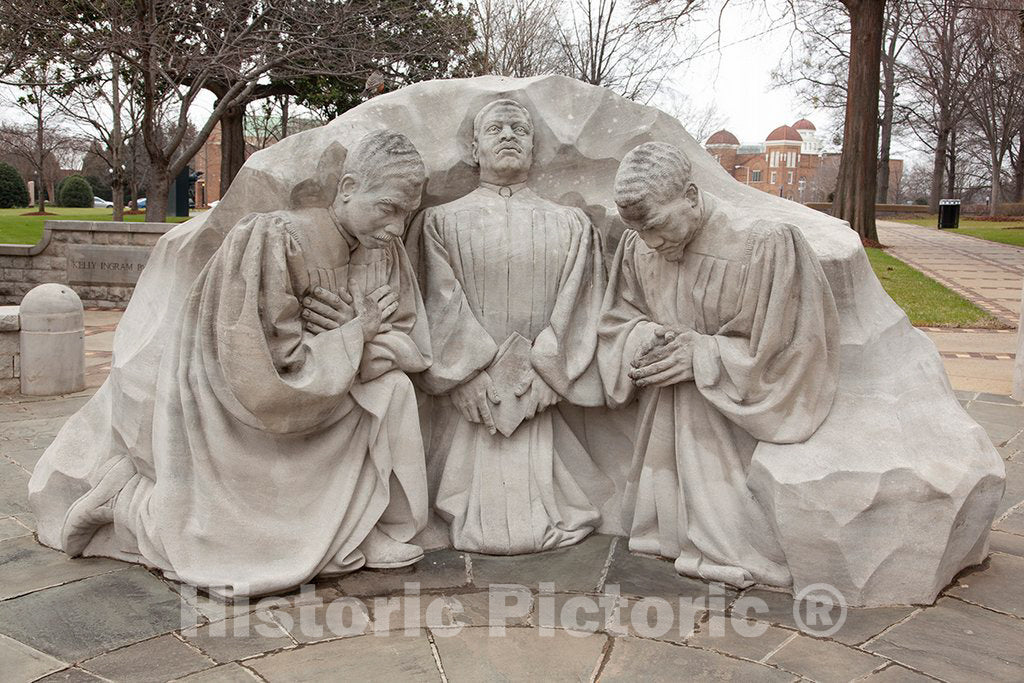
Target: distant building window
755	176
789	180
774	177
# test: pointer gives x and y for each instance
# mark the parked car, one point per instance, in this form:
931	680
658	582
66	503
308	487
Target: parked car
142	203
100	203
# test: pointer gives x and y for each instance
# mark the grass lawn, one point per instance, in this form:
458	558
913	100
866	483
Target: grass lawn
924	300
1010	232
18	229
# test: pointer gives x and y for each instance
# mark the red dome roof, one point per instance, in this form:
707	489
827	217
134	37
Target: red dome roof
723	137
804	124
783	133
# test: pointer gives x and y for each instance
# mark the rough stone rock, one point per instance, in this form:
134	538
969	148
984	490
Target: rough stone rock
887	501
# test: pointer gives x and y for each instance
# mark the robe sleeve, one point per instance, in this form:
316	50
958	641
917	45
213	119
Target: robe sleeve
265	369
407	345
565	352
773	369
625	324
461	347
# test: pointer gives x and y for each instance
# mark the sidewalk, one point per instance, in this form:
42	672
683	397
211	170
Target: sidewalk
986	273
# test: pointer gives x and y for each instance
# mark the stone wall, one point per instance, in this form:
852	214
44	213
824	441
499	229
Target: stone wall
10	356
102	261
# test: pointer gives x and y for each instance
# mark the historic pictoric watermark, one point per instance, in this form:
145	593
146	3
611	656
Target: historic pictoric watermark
818	610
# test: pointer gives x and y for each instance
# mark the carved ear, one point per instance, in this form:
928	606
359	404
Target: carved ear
321	189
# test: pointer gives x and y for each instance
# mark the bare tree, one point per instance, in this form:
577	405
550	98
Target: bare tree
996	103
628	47
517	38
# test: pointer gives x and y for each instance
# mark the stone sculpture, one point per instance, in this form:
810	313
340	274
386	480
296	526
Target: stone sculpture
889	497
727	326
266	454
512	285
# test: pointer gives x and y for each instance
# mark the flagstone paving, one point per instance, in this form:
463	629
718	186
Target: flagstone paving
95	619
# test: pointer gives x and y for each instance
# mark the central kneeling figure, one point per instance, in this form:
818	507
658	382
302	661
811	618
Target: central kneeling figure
512	285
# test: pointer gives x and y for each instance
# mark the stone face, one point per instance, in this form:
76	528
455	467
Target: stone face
98	614
633	660
521	654
89	264
52	341
936	641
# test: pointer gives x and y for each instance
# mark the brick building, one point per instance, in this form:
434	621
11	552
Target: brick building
789	163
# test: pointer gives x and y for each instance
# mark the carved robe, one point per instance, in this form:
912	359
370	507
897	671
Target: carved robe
490	266
765	368
267	454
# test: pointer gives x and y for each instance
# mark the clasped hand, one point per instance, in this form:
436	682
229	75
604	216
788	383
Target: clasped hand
665	359
323	310
475	398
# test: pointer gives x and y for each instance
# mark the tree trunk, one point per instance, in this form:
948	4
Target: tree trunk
1018	171
994	197
116	166
159	186
951	169
41	204
232	145
888	107
938	167
284	117
858	167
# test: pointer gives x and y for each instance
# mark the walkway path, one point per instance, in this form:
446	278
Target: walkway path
987	273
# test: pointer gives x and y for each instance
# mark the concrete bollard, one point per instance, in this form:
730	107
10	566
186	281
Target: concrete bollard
52	341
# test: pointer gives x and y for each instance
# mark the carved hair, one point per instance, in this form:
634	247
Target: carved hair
385	156
479	119
653	170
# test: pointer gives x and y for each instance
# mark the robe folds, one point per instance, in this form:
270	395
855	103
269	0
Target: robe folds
765	366
267	454
491	266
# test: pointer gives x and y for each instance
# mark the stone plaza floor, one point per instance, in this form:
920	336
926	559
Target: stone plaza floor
97	619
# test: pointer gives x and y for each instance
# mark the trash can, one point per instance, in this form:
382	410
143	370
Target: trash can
949	214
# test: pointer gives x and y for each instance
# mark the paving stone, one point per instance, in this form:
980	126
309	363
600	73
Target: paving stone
19	662
1014	493
26	457
1002	542
1000	421
824	661
13	489
895	673
998	584
859	625
438	569
62	407
95	615
475	609
26	566
379	658
70	676
574	569
996	398
342	617
1013	523
582	613
238	638
225	673
739	637
522	654
642	576
11	528
152	661
655	618
957	641
634	660
408	615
